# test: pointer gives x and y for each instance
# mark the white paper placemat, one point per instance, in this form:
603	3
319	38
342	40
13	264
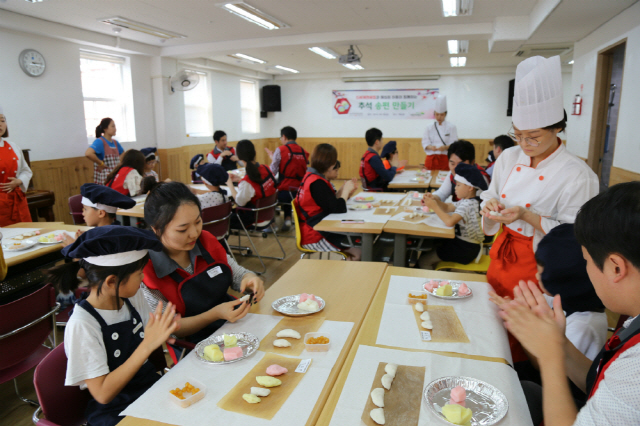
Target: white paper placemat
8	233
407	177
477	314
220	379
378	196
358	385
431	219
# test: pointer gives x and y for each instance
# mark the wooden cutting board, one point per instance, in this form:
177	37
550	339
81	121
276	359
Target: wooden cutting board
385	211
446	324
416	219
403	401
303	325
269	405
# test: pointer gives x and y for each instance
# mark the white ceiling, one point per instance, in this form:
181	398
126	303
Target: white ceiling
392	34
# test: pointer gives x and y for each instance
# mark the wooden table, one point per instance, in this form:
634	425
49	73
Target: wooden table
369	331
434	178
402	229
366	231
331	280
408	185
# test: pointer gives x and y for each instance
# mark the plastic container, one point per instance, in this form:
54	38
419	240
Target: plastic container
192	399
412	301
317	348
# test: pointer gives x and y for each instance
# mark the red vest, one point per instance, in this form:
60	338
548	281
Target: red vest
366	171
117	182
293	165
227	163
266	187
309	213
168	287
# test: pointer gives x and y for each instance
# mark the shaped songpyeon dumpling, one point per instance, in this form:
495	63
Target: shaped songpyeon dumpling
377	397
386	381
377	415
427	325
309	305
251	398
260	391
268	381
276	370
391	369
288	333
281	343
425	316
419	307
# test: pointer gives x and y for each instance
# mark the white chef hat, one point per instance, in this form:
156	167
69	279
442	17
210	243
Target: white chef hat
441	104
537	100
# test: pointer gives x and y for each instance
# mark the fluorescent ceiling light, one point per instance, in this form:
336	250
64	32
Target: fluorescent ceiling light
280	67
458	46
34	1
140	27
353	67
390	78
457	8
324	52
570	62
248	58
253	15
458	61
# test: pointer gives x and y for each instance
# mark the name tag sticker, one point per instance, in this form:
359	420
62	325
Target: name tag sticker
302	367
135	330
426	336
214	271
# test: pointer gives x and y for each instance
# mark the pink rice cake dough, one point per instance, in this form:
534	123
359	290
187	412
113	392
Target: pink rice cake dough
431	285
276	370
443	283
59	237
462	403
305	296
463	290
232	353
458	395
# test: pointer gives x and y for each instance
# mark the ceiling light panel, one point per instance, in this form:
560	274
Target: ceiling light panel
353	67
324	52
253	15
457	47
291	70
248	58
140	27
457	8
460	61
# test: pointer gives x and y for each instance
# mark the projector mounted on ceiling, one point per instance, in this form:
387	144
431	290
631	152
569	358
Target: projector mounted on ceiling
351	57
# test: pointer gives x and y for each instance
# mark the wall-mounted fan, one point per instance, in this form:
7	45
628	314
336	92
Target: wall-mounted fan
184	80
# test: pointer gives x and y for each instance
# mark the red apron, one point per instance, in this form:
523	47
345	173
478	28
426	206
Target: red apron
293	166
366	171
309	212
13	205
265	188
436	162
117	182
111	161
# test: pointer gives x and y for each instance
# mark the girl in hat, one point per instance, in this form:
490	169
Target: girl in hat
105	152
14	179
213	176
150	162
196	161
438	137
112	333
127	177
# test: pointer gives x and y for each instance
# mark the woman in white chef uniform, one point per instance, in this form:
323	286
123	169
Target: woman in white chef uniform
438	137
536	184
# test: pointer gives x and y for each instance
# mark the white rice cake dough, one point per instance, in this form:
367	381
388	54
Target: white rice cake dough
260	391
281	343
391	369
419	307
377	397
386	381
288	333
377	415
425	316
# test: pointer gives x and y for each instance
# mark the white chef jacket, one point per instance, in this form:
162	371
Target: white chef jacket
448	132
24	173
555	189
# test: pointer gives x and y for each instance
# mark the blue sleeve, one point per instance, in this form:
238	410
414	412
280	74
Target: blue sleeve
386	174
120	148
98	147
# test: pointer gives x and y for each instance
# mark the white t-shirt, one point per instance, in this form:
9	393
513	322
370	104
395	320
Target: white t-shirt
245	193
587	331
83	344
210	199
470	228
132	182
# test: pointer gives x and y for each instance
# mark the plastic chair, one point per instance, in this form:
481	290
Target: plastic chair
194	178
75	208
481	264
366	188
304	251
217	221
265	212
26	324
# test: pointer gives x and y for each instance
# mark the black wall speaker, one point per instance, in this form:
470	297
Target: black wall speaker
271	98
512	85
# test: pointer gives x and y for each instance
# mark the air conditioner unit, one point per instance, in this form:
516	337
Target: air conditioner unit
546	51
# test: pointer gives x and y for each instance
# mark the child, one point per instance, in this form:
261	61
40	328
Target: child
150	162
500	143
196	161
126	178
372	171
608	229
221	153
213	175
389	152
464	248
112	333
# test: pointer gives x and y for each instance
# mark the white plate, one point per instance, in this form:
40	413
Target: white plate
454	287
247	341
18	245
288	305
48	243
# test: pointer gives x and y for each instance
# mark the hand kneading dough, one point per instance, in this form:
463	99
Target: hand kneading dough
281	343
251	398
268	381
391	369
386	381
457	414
377	397
288	333
260	391
425	316
419	307
377	415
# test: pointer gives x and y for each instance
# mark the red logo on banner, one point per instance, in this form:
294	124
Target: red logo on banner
342	106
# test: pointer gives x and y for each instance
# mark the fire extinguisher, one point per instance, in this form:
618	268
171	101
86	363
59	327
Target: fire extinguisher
577	105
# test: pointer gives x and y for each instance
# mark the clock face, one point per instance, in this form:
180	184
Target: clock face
32	62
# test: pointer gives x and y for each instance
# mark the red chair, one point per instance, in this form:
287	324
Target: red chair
26	324
75	207
265	212
368	189
62	317
194	178
217	221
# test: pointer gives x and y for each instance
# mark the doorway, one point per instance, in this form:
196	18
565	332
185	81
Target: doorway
609	72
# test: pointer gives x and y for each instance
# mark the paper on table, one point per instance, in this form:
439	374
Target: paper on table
356	389
366	215
478	315
430	220
379	196
10	232
220	379
407	177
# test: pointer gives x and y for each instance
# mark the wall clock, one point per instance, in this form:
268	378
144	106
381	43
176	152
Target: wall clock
32	62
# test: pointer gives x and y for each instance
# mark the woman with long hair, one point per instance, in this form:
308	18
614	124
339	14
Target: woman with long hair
127	176
105	151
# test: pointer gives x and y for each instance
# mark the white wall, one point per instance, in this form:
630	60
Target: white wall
627	148
477	106
45	114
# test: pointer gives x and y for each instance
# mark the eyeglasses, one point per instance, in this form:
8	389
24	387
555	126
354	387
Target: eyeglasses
529	141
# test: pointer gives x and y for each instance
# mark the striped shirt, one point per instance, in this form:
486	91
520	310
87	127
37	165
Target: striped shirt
469	228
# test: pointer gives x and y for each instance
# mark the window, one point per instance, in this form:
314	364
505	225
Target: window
106	88
197	108
249	106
